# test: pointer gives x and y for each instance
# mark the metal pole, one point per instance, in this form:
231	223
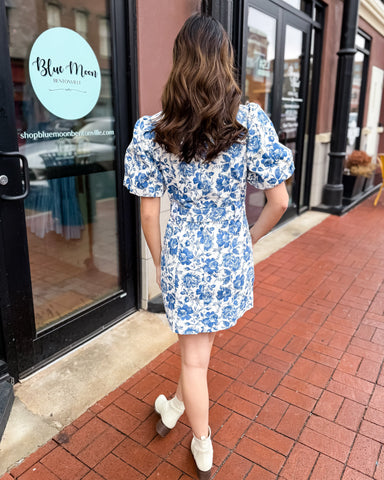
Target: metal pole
333	190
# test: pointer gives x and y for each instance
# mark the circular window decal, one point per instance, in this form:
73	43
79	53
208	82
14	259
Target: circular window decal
65	73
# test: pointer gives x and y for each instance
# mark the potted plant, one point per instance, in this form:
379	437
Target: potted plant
357	170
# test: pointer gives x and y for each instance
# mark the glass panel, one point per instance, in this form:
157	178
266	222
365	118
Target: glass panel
353	128
294	3
260	59
360	41
303	5
104	36
260	65
65	121
81	23
307	125
53	16
291	100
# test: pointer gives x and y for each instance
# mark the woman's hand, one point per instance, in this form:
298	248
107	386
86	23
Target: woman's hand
158	276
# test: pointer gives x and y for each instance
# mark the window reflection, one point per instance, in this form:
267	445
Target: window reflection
304	164
81	23
260	64
291	96
356	81
304	5
53	16
104	37
360	41
71	212
294	3
260	59
291	101
357	78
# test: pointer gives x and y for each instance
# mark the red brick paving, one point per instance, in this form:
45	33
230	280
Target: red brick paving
297	387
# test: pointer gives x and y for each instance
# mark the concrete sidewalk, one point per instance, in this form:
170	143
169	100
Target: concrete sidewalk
297	387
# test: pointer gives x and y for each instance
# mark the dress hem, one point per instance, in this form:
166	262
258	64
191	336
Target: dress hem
174	330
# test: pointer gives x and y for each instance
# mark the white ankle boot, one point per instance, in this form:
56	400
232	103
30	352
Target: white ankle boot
170	411
202	452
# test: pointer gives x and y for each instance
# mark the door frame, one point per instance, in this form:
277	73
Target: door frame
26	350
285	15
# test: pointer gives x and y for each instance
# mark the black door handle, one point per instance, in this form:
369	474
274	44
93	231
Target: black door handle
25	175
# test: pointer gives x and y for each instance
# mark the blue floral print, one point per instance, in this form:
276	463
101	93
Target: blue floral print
206	263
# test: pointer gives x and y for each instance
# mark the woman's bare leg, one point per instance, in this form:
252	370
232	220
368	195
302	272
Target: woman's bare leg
193	386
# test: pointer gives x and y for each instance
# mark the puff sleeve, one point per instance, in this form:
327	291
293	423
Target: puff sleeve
269	162
142	175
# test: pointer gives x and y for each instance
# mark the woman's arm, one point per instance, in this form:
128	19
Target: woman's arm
277	203
150	222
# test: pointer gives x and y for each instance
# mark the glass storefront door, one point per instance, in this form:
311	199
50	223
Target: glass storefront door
71	211
62	77
276	76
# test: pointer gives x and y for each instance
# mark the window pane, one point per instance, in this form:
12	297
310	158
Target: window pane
353	129
291	100
81	23
294	3
300	4
260	59
260	65
104	35
53	16
319	13
307	122
360	41
356	81
71	211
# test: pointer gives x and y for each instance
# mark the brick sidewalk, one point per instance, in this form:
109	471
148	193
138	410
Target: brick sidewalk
297	387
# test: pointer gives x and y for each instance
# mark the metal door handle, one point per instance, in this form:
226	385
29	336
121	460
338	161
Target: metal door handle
25	175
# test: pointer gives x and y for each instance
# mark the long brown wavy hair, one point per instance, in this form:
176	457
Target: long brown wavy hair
201	97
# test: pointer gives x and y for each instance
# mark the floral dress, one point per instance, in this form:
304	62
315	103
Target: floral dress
207	267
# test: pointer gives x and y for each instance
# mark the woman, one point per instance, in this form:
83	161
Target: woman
203	148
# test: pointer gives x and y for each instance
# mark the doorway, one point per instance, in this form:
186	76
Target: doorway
69	263
277	71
